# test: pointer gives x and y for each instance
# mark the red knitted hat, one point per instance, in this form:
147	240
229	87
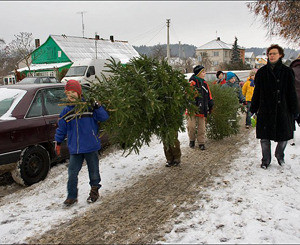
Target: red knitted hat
74	86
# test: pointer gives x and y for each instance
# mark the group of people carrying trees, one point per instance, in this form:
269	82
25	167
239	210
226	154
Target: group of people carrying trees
149	85
270	95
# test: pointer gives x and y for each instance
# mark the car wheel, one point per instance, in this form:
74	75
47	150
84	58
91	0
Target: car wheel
33	166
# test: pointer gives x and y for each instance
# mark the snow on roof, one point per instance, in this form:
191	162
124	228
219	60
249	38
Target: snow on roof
218	44
262	56
215	44
248	55
77	48
36	67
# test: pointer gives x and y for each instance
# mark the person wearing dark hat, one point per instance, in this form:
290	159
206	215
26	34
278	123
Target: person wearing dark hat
83	142
275	102
204	101
230	83
220	78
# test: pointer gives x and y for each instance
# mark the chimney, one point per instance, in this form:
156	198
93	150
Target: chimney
218	39
112	38
97	37
37	43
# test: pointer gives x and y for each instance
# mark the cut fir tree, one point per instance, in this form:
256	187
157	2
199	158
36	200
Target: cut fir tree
144	97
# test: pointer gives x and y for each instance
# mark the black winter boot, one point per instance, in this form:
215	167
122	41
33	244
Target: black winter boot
169	164
202	147
192	144
280	161
264	165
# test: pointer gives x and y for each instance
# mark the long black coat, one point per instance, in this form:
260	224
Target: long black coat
275	102
295	65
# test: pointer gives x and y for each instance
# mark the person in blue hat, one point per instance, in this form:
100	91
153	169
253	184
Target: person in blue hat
231	83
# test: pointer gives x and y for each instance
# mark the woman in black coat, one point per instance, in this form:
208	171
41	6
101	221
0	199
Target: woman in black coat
275	103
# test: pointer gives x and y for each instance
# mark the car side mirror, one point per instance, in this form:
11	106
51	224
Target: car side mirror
88	74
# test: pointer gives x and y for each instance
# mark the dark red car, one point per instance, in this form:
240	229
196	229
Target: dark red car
28	121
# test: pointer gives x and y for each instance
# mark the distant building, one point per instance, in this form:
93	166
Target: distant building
60	51
261	60
185	65
250	59
217	52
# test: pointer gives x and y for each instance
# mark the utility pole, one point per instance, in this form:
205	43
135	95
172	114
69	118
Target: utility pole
168	41
96	43
179	50
82	12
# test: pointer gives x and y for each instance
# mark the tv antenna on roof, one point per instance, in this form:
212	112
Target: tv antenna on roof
82	12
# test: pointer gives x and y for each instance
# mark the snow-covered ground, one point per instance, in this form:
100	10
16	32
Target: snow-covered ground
248	205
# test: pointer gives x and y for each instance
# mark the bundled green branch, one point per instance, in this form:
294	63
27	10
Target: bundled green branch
143	98
224	121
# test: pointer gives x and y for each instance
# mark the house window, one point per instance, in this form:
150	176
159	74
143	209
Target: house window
226	53
216	63
216	53
59	54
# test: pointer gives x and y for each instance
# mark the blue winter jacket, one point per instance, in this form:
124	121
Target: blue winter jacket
82	131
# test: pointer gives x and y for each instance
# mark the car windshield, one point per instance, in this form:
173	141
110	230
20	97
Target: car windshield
9	98
76	71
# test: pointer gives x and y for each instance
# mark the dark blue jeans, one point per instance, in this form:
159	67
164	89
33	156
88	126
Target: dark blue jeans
75	165
266	150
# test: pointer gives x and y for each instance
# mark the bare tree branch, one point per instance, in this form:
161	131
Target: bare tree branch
281	18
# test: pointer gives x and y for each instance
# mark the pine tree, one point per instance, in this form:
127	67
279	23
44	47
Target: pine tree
144	97
236	63
224	121
236	56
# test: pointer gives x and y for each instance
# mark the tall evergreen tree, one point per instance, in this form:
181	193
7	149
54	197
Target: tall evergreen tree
236	56
236	62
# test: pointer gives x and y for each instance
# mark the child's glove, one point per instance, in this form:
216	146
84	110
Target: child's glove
57	148
95	104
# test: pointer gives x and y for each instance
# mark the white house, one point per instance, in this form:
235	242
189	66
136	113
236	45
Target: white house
250	59
218	52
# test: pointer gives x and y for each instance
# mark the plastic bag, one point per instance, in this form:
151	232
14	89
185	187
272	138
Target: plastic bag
253	120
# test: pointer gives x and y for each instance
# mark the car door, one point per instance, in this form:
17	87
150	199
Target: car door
33	125
53	98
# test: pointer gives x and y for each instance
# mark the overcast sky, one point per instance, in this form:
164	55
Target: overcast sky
139	22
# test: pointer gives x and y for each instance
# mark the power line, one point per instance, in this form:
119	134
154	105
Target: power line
148	32
156	34
175	33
